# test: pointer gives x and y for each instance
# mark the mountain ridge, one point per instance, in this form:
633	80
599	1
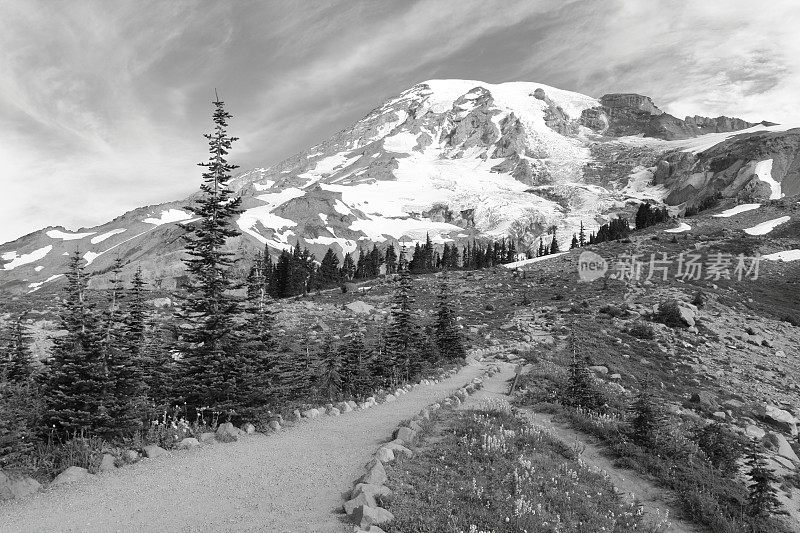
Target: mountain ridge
455	159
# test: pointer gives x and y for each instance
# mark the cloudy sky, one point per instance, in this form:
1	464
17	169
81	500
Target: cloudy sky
102	104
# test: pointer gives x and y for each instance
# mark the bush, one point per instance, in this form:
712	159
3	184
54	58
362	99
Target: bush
669	313
640	330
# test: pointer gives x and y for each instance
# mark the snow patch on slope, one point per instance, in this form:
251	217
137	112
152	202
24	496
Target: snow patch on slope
764	172
103	236
786	255
24	259
766	227
736	210
36	285
167	216
57	234
680	229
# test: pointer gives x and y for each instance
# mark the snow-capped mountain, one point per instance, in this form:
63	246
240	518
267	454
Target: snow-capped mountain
453	159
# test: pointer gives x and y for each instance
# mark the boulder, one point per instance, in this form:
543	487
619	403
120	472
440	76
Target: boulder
71	475
227	432
360	308
333	411
384	454
778	442
207	437
754	432
371	400
296	414
784	420
152	451
352	404
356	501
404	434
373	490
130	456
390	398
311	413
365	405
12	487
108	463
397	447
719	415
365	516
249	428
599	369
376	474
704	398
274	425
344	407
188	442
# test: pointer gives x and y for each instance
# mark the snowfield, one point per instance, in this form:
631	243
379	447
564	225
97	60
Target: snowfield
786	255
170	215
736	210
680	229
766	227
58	234
24	259
103	236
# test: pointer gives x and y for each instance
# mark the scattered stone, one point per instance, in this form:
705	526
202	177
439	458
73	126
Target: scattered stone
384	454
784	420
274	425
368	516
360	308
130	456
390	398
297	415
370	489
227	432
719	415
365	405
108	463
404	434
782	447
376	474
362	499
344	407
311	413
249	428
615	376
333	411
207	437
397	447
754	432
188	442
352	405
71	475
704	398
152	451
17	487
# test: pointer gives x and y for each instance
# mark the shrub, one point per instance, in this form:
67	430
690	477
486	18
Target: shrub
640	330
669	313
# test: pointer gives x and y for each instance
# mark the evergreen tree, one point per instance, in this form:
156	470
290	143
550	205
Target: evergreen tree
75	385
330	380
19	367
348	268
762	498
580	390
391	259
554	245
574	243
211	364
648	418
581	236
400	335
449	341
542	250
721	446
356	363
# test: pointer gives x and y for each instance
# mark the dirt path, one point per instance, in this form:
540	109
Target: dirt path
289	482
651	497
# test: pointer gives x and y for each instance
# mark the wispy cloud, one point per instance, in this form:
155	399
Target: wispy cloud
103	104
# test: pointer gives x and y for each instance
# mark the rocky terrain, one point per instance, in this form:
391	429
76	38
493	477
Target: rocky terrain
455	159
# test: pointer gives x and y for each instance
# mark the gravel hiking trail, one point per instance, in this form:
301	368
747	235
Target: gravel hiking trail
655	501
292	481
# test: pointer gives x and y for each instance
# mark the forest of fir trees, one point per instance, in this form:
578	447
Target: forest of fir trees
124	375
